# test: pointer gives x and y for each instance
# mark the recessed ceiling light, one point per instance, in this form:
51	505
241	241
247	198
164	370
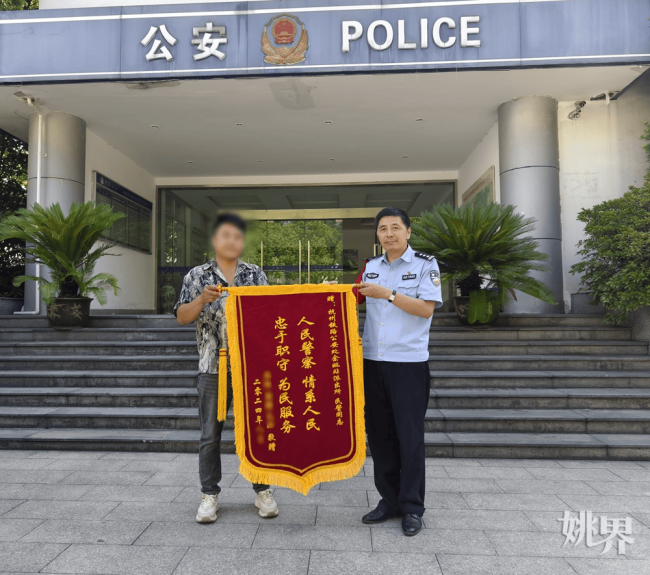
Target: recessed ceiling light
154	126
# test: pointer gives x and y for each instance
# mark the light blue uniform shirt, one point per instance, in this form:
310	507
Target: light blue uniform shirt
389	333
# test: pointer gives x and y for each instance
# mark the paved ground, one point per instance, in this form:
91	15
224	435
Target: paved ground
97	512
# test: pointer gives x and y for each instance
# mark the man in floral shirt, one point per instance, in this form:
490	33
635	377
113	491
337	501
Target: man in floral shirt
201	302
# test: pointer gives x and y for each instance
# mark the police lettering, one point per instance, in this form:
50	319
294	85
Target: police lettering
380	34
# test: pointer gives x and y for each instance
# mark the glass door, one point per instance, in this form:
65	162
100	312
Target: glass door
297	251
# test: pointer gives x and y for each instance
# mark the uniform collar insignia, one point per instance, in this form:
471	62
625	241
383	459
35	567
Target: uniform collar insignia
407	256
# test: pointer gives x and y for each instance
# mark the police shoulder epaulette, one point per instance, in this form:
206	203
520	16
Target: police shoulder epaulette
424	256
374	258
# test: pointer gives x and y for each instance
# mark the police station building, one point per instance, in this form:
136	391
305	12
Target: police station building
311	115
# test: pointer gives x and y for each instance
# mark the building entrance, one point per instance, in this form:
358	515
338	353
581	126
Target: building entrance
294	245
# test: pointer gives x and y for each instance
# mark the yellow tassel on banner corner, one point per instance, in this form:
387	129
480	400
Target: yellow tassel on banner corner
222	394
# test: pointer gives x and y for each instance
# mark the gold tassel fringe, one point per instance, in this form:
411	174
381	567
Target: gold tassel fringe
222	392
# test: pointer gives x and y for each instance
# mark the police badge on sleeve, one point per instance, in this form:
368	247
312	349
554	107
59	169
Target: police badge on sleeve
435	277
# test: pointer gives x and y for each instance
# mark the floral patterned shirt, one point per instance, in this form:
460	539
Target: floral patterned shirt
210	323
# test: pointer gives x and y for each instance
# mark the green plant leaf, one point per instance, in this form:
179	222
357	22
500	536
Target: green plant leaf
481	246
64	243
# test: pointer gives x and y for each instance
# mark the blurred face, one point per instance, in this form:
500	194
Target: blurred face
393	234
228	242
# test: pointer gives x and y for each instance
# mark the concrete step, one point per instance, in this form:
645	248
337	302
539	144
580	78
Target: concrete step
518	398
446	334
539	379
455	398
437	363
99	397
557	347
527	363
121	321
99	334
439	319
183	441
522	320
538	446
97	348
628	421
100	362
96	378
449	334
100	417
436	348
479	445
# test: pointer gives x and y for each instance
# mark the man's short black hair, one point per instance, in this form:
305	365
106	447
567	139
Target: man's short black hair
229	218
396	212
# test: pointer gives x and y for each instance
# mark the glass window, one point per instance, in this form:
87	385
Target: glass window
120	226
133	231
133	225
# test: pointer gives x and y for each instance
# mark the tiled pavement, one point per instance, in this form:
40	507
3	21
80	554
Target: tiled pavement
97	512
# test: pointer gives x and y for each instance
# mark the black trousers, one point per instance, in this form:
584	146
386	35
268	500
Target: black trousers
210	440
397	396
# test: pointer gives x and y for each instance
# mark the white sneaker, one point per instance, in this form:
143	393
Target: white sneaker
207	512
266	504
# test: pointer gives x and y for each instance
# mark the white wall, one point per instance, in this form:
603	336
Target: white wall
601	155
486	154
134	270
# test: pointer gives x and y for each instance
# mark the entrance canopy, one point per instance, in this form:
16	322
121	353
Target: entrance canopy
190	131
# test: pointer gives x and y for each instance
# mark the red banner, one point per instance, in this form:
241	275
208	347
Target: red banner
296	363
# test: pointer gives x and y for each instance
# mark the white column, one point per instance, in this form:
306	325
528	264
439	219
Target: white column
529	166
59	176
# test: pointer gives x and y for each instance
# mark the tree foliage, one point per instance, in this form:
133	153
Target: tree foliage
65	245
18	4
616	250
483	246
13	196
13	187
281	239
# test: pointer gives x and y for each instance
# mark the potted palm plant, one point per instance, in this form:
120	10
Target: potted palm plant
65	244
483	250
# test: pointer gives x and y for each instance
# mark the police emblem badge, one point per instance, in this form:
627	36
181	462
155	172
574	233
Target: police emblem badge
435	277
288	42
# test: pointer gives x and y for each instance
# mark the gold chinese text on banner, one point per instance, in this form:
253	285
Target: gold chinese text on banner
297	376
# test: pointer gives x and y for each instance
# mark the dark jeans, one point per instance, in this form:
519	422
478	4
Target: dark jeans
397	396
210	443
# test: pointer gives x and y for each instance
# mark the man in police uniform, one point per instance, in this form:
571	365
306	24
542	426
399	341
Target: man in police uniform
402	288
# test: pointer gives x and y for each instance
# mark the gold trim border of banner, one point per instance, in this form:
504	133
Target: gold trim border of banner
328	472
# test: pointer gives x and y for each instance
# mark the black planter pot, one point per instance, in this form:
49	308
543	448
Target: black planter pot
462	309
69	312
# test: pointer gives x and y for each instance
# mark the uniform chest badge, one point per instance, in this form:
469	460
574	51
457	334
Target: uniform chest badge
409	276
435	277
288	42
371	275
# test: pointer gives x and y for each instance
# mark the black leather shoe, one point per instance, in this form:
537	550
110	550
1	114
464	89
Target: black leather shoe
411	524
376	516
